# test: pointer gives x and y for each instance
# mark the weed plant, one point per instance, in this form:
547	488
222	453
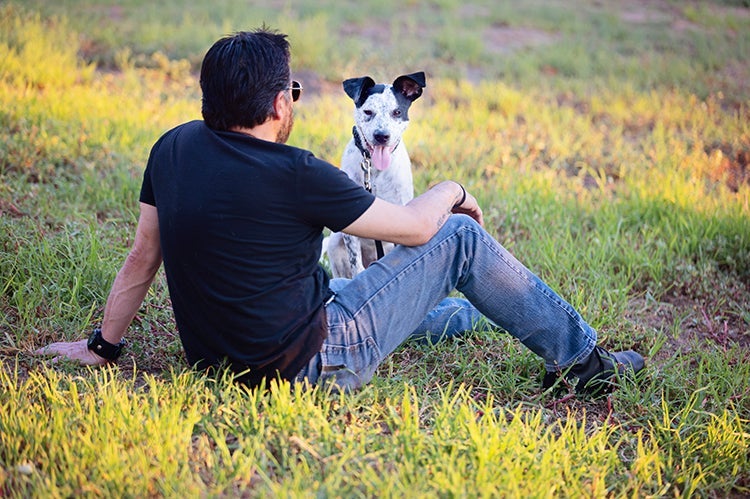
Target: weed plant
608	144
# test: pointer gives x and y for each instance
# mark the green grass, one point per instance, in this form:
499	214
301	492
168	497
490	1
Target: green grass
608	145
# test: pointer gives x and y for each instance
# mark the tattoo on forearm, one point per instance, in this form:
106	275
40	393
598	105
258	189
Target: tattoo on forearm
441	221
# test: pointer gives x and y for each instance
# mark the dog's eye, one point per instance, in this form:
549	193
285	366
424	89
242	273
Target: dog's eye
369	113
396	113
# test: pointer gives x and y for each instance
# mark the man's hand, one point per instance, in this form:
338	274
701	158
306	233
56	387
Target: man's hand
77	351
470	207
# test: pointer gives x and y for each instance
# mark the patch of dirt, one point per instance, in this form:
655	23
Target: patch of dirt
502	38
656	12
377	34
729	165
690	324
641	14
7	208
314	85
672	13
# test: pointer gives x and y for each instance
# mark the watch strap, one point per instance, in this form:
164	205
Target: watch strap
102	347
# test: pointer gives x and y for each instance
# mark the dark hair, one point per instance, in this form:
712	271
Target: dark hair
240	77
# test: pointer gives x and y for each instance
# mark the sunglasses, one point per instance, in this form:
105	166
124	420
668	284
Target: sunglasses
296	89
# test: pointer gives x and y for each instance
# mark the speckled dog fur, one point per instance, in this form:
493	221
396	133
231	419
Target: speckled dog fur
381	114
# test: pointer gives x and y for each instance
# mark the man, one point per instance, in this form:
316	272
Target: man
237	218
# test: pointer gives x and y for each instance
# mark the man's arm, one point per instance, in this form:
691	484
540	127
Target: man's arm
127	293
419	220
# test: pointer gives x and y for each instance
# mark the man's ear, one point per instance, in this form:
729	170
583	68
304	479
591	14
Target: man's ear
281	105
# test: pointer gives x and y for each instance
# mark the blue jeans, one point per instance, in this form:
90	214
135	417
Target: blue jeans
405	295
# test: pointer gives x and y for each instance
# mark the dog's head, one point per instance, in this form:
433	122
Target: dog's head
381	112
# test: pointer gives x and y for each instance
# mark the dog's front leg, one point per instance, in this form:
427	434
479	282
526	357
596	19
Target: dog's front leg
337	258
353	254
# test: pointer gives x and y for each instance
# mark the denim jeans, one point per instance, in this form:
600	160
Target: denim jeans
405	295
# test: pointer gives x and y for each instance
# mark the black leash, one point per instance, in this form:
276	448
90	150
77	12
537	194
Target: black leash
366	166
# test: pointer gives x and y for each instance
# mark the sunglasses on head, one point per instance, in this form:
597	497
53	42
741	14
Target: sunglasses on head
296	88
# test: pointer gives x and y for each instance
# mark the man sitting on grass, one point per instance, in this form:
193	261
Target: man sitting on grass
237	217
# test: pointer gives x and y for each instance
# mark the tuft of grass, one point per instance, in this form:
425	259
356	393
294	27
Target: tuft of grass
198	436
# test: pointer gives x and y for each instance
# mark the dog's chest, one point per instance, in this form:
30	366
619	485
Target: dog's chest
395	184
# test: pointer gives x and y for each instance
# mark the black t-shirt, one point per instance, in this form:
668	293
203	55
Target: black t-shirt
241	224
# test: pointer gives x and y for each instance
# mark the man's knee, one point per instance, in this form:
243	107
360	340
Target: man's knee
458	221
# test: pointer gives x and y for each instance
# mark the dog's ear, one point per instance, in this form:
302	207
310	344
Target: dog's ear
357	88
411	85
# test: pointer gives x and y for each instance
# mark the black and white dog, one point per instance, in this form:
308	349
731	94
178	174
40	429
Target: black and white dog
377	159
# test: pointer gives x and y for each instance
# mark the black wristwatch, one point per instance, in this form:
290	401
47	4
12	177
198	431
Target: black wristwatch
102	347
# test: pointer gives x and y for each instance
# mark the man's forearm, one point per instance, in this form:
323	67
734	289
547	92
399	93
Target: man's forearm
419	220
437	204
125	298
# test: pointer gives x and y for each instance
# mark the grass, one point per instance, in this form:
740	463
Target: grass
608	145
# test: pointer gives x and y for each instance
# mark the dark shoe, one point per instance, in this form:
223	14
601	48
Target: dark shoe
594	376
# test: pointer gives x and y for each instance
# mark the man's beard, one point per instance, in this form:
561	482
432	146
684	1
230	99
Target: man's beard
285	130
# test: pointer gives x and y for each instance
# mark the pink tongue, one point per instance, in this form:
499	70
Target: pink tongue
381	157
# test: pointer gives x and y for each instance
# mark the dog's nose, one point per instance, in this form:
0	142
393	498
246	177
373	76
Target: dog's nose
381	138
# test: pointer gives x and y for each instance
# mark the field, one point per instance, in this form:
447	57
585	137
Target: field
608	143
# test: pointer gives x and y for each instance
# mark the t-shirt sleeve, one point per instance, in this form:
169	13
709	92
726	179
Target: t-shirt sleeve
147	190
328	197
